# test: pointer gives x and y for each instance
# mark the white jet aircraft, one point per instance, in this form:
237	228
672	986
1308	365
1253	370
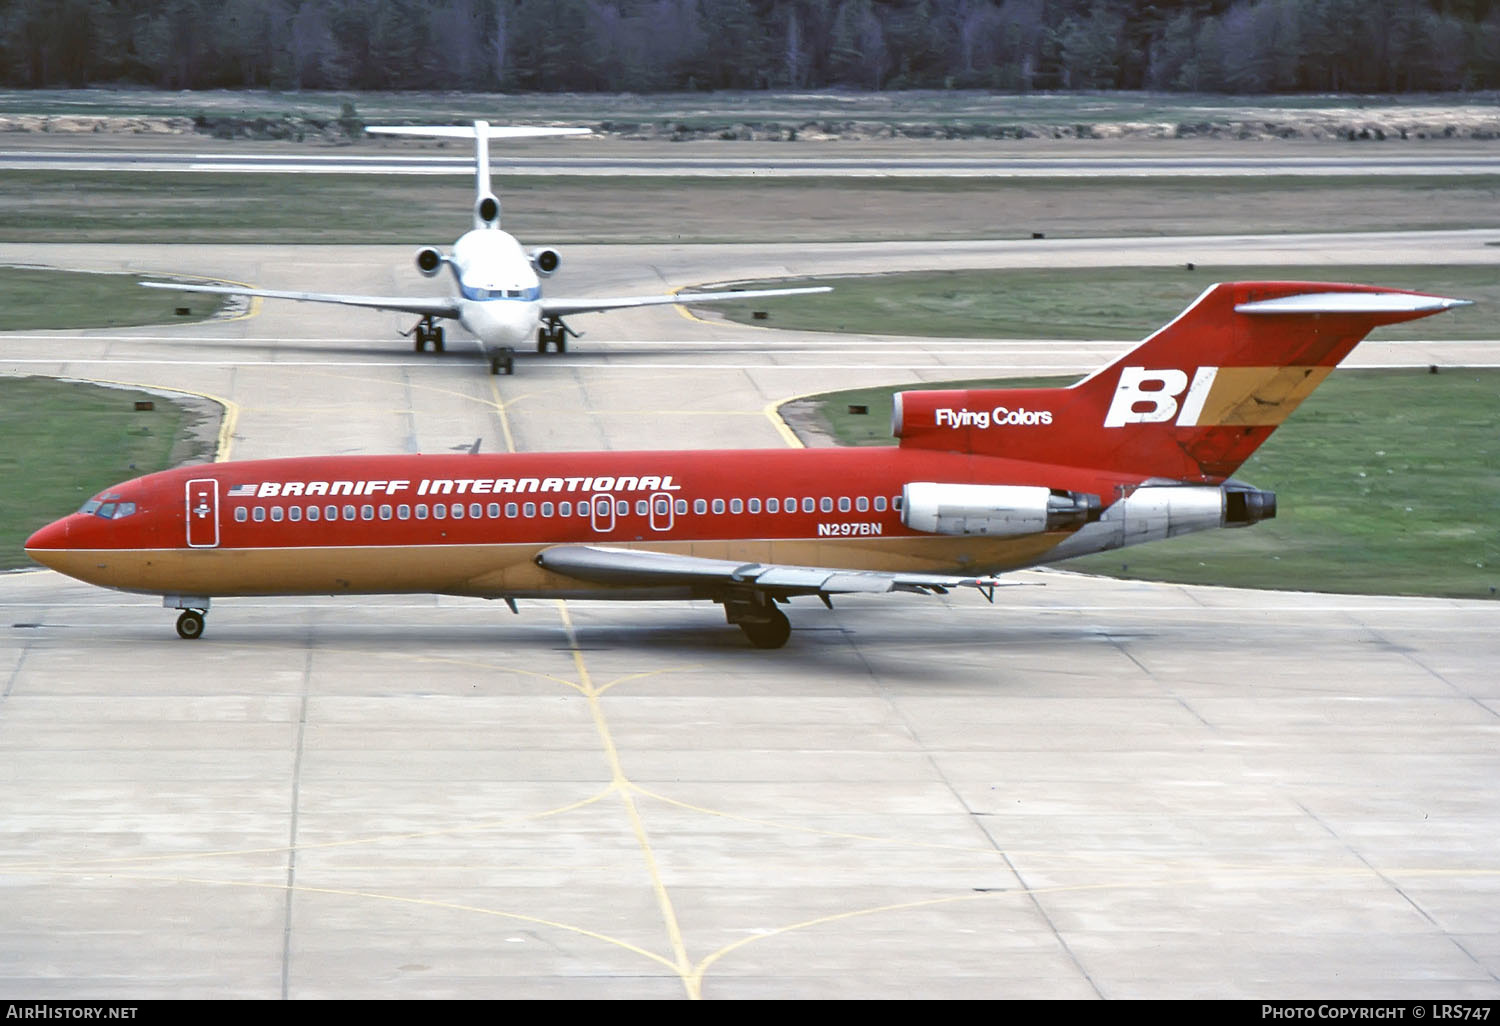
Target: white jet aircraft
499	297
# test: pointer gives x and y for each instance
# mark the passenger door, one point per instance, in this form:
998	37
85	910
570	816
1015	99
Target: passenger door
203	513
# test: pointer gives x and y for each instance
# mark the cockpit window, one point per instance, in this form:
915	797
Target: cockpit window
107	507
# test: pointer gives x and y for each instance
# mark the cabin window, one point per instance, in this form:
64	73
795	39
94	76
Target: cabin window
403	512
259	514
277	513
773	505
809	504
790	505
421	511
826	504
642	507
241	514
312	513
663	507
458	511
583	509
385	512
528	509
492	511
880	504
754	505
718	505
476	510
862	503
439	511
564	509
844	504
294	513
896	503
622	508
330	512
367	512
546	509
681	507
512	510
736	506
700	506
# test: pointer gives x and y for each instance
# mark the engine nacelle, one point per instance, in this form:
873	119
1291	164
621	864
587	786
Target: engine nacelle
994	510
429	261
545	261
487	210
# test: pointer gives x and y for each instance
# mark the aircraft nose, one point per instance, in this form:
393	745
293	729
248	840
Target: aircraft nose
48	542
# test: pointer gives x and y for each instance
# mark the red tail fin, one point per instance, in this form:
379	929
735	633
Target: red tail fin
1191	402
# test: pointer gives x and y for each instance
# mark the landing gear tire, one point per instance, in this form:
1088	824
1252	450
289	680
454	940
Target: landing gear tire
190	625
503	362
552	336
772	633
437	337
427	331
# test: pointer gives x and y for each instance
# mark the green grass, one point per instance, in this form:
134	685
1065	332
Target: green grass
66	441
179	207
1118	303
1387	481
36	299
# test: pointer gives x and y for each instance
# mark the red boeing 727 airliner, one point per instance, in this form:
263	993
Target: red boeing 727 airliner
983	481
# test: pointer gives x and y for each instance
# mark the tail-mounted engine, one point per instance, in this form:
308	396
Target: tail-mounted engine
1245	505
545	261
994	510
487	211
429	261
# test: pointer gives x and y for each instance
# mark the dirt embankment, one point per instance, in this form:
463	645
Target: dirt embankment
1352	123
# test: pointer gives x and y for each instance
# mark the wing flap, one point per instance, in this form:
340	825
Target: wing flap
601	564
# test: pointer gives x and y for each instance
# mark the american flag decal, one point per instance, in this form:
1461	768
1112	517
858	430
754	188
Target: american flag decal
248	489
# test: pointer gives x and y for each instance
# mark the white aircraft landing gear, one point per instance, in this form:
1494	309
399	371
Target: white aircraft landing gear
503	362
194	609
553	334
427	330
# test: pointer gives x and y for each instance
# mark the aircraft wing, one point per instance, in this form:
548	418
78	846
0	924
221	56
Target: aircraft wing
435	307
600	564
563	307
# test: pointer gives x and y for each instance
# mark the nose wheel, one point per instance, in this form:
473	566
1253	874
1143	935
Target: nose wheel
190	625
503	362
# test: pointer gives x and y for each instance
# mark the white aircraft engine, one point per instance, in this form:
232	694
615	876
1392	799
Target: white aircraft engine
994	510
429	261
545	261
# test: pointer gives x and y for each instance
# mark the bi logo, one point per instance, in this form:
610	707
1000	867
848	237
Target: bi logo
1152	397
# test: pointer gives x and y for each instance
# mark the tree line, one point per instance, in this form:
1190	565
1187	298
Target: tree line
1232	46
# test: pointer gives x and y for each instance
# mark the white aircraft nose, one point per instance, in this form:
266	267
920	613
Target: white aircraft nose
505	323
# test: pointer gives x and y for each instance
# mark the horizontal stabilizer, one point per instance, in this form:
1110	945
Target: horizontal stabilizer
1352	303
468	131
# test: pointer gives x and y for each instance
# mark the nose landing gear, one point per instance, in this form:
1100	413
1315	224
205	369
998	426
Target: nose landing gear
194	609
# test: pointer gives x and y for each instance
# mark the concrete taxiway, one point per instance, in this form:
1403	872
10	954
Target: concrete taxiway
1089	789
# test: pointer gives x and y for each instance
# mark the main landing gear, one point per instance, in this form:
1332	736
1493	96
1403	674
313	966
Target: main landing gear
554	333
190	621
427	330
756	614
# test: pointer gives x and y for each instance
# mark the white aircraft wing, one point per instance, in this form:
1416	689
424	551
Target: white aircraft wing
563	307
599	564
435	307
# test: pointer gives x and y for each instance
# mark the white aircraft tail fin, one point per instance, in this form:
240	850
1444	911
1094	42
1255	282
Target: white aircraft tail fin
486	203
